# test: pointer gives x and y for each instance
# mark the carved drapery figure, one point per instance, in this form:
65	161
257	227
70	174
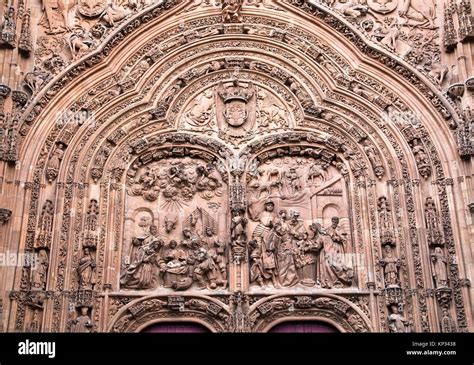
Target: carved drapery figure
45	226
447	323
421	158
219	255
391	264
260	271
142	240
8	30
205	270
86	270
91	225
142	272
40	270
385	222
231	11
433	225
238	226
190	240
287	250
83	323
307	259
397	323
334	271
56	13
54	162
439	268
268	239
374	159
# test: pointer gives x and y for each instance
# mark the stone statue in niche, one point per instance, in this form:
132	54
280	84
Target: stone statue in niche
91	225
45	226
52	169
447	323
433	225
238	225
385	222
83	323
86	270
397	323
39	271
374	159
421	158
391	265
439	268
8	28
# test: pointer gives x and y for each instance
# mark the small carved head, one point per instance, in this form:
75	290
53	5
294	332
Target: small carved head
84	311
295	216
173	244
187	233
154	230
209	232
335	221
269	206
170	223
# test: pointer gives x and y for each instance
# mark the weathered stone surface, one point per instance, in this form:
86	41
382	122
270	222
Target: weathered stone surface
237	163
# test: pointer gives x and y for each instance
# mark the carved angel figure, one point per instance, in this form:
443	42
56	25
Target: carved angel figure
231	11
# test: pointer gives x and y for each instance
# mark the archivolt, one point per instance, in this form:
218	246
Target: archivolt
127	117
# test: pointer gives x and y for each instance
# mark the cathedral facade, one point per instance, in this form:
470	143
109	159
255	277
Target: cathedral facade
236	165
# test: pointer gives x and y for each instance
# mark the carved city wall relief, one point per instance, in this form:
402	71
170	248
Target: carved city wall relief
176	222
299	225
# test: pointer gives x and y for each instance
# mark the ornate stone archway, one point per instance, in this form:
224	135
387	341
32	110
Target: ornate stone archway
189	166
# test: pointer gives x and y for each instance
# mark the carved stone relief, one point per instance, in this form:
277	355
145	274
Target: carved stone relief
179	206
206	207
299	227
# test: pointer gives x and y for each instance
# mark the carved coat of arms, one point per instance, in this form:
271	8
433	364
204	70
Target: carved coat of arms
91	8
236	108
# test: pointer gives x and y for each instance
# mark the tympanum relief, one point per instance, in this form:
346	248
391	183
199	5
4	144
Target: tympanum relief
299	222
177	236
